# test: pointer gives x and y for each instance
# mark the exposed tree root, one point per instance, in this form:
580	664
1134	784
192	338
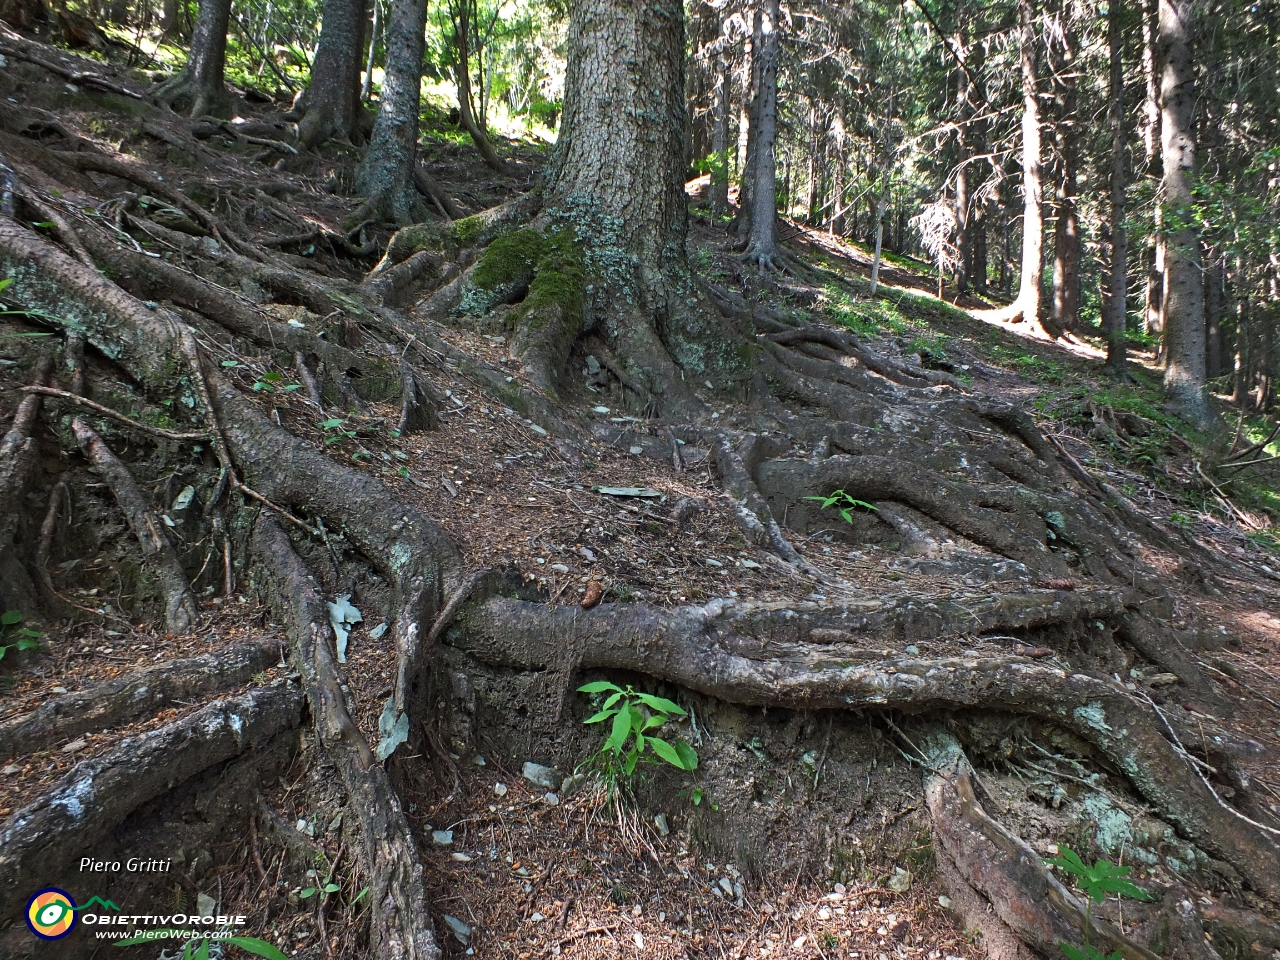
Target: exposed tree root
1028	899
401	925
180	607
119	701
90	802
749	653
17	463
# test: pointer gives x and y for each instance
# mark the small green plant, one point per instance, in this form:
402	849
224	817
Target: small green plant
1096	880
15	637
335	432
844	503
199	949
636	717
273	381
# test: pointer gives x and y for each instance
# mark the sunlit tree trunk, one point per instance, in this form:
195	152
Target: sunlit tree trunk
720	141
1066	238
1114	305
385	176
1153	321
1184	379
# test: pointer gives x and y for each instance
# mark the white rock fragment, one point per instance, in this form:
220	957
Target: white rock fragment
539	775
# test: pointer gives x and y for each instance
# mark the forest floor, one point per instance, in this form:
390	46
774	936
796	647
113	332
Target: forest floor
529	869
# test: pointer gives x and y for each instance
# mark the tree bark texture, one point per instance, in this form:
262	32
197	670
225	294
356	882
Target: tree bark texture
1028	302
386	174
719	197
762	243
1066	238
1114	305
332	100
206	68
1184	283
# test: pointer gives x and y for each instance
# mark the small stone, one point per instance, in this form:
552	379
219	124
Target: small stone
727	886
799	944
459	857
713	563
944	901
551	799
539	775
536	917
11	769
913	650
460	930
442	838
593	367
840	889
660	821
206	905
1163	679
537	429
751	564
499	789
900	882
639	940
59	689
559	568
824	913
75	746
479	760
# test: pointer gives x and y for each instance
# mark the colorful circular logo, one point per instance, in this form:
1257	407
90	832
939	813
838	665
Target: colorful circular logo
51	914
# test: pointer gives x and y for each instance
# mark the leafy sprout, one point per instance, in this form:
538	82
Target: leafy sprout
845	503
634	719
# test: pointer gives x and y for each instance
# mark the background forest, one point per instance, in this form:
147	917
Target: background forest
899	124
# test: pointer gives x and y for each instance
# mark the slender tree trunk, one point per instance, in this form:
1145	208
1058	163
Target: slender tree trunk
1113	320
762	244
882	201
331	102
385	176
169	19
1184	283
366	87
1028	302
1214	300
964	134
462	69
1066	240
720	142
1154	318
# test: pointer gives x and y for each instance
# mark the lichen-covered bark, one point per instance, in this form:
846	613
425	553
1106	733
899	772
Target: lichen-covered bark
617	181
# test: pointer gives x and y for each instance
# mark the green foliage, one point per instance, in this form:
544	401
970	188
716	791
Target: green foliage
1096	880
634	719
1100	878
272	381
716	164
844	503
13	636
199	949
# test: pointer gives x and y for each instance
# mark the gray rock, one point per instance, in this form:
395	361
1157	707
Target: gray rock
660	821
460	930
442	838
541	776
499	789
900	882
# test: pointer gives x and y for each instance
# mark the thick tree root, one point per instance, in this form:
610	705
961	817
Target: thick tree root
17	465
90	802
180	609
1028	899
120	701
799	657
401	922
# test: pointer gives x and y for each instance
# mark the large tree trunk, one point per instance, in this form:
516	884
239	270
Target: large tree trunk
1066	237
749	131
200	86
386	174
1113	318
332	100
1184	285
762	243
